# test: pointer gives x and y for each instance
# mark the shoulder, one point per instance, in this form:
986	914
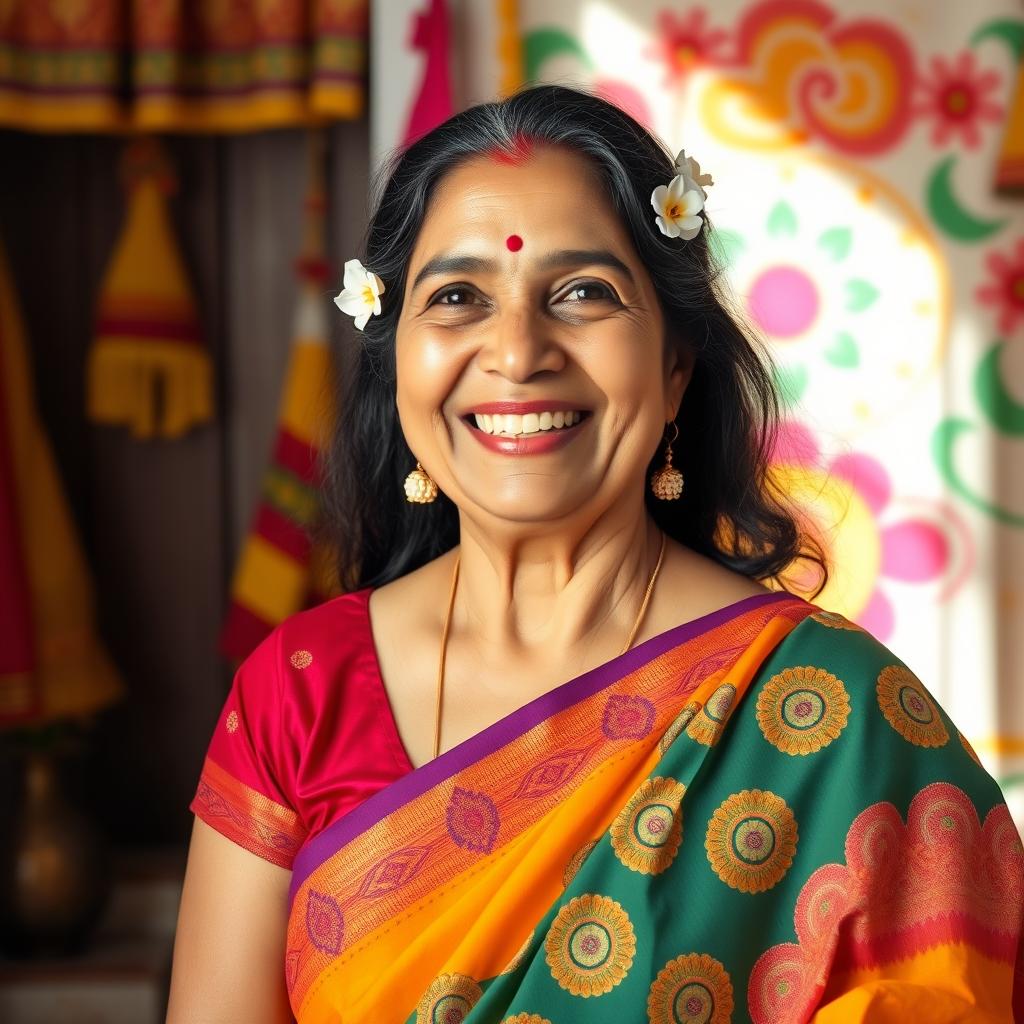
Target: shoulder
831	654
832	638
327	634
311	674
340	618
308	664
835	701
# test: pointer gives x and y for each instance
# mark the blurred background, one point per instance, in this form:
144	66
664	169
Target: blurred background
180	184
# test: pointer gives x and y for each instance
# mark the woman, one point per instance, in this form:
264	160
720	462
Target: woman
558	755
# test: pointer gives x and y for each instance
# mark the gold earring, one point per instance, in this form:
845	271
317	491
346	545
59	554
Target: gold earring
419	488
667	482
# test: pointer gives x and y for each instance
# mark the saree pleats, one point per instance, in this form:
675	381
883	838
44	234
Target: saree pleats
765	818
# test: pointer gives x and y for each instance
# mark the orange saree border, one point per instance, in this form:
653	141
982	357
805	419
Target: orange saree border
936	980
247	817
478	848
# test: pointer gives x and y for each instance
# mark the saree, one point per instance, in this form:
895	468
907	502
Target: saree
759	816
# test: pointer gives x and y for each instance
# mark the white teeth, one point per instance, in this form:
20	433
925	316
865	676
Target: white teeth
514	425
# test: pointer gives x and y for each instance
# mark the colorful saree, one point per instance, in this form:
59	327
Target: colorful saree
761	816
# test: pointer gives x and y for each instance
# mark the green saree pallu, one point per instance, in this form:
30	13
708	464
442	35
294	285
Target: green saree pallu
759	816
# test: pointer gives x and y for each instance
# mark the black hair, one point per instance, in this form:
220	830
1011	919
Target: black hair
731	509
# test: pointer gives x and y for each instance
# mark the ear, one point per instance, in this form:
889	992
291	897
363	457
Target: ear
680	360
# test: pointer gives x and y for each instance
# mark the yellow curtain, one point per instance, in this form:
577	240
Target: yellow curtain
53	664
174	65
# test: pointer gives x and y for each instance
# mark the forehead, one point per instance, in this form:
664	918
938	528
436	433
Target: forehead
551	198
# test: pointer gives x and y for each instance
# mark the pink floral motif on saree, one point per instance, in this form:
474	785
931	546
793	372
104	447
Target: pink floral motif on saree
941	879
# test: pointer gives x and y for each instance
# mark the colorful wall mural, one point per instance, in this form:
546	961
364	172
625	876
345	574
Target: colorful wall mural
872	241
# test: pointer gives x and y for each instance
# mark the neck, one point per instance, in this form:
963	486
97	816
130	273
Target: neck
522	594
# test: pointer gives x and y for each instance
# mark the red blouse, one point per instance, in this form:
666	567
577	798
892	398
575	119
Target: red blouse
306	733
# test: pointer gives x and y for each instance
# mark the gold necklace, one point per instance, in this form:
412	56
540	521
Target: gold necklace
448	622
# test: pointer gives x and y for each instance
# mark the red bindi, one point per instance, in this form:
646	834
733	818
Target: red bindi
514	243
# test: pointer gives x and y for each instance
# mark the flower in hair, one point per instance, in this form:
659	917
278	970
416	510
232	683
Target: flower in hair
687	166
360	298
678	204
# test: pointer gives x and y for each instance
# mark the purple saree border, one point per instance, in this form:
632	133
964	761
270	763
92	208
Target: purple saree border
407	787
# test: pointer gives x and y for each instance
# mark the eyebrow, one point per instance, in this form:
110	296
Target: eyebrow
459	263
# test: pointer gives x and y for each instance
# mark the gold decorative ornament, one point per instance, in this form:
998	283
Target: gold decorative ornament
419	488
667	482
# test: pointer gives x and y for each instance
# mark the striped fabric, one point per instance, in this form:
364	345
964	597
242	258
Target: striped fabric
114	65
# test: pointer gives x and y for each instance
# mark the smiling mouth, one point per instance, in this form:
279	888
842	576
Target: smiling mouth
526	425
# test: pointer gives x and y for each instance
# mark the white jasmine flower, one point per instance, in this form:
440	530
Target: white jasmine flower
688	166
678	204
360	297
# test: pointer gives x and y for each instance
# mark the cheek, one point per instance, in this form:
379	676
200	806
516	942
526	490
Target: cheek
427	367
629	370
630	373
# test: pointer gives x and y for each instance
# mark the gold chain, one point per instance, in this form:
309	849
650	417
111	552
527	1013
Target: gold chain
448	622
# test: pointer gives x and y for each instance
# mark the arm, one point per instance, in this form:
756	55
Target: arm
911	899
229	948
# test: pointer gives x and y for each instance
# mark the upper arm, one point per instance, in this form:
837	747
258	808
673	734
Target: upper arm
229	946
229	951
906	895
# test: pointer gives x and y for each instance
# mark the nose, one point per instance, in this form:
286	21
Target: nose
518	346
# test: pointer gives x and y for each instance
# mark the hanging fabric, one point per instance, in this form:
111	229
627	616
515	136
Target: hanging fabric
431	34
117	65
52	664
280	571
510	47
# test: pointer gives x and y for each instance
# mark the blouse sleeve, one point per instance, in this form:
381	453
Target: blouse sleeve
243	786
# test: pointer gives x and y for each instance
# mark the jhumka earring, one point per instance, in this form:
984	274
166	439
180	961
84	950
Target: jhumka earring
419	488
667	482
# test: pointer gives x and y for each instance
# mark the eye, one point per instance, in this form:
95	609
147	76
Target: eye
588	291
453	295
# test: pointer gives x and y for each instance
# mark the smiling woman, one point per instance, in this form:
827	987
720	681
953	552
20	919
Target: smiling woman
559	755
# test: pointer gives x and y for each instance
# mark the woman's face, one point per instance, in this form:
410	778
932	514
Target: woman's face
526	301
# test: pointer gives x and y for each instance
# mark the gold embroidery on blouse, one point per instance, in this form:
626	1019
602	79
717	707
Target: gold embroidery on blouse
301	659
232	722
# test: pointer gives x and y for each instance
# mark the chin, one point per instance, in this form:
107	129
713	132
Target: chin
524	504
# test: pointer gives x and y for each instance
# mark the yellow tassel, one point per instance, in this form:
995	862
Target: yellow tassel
162	388
148	368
